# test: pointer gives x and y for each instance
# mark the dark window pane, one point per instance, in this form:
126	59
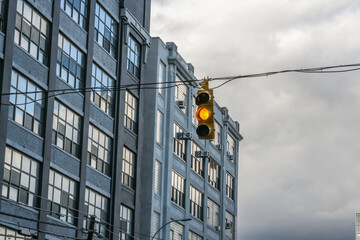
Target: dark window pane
65	61
15	178
35	35
6	175
23	198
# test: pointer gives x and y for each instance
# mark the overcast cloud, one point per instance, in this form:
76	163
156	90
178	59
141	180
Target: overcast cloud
300	158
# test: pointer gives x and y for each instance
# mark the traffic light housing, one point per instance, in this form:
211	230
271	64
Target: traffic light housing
205	114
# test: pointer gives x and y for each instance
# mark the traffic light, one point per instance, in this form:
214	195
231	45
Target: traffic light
205	113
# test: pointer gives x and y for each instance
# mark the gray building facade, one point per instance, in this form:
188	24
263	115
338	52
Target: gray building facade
69	115
178	184
90	146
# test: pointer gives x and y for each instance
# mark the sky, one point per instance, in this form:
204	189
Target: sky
299	170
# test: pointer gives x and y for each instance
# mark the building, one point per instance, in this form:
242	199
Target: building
357	226
184	186
89	146
69	129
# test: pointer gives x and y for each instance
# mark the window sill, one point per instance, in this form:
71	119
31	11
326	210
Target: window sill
173	204
41	64
65	152
101	173
26	129
12	202
94	105
128	189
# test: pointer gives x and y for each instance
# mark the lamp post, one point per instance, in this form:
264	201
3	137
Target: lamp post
178	220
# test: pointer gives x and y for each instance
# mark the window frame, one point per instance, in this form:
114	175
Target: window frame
128	173
69	69
58	194
111	32
31	105
133	62
15	163
62	126
33	34
197	163
179	145
70	9
230	186
213	213
102	92
126	217
103	144
196	203
214	174
178	189
100	210
131	112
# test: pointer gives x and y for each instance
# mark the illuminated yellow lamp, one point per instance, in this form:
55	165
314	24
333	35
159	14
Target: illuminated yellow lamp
202	114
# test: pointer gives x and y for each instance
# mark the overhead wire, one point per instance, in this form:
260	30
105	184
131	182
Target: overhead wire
139	86
353	67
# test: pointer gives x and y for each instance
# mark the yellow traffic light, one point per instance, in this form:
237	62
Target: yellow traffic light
205	114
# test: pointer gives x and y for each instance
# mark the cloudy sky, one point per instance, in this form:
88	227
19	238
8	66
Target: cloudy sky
300	157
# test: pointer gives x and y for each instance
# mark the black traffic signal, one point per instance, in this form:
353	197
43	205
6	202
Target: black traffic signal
205	114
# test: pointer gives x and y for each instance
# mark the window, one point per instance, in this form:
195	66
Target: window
133	57
128	168
99	150
62	197
156	222
10	234
130	116
196	162
102	90
66	129
196	203
229	228
26	103
21	178
230	183
126	223
97	204
230	146
217	139
194	236
2	14
32	32
176	231
76	9
214	174
179	147
178	189
159	127
161	78
213	215
70	66
194	109
180	92
105	31
157	178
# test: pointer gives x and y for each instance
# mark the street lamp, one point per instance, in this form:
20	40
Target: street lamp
178	220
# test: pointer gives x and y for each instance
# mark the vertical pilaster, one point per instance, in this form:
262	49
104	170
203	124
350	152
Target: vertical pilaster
6	80
48	117
86	118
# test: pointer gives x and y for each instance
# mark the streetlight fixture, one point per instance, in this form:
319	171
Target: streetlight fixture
178	220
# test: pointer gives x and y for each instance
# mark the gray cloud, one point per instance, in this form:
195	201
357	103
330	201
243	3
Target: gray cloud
300	156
